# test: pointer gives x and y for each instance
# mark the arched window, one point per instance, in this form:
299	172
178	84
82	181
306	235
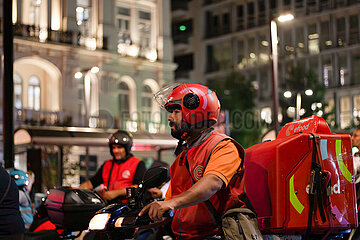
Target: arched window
146	99
34	93
123	98
17	91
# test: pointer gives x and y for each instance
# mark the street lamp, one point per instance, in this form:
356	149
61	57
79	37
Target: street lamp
288	94
275	64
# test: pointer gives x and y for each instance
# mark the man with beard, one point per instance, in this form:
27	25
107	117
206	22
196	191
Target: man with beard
122	171
204	180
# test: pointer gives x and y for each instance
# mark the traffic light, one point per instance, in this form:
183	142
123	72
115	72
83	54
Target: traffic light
182	28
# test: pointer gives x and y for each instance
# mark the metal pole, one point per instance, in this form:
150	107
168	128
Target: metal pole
298	105
275	74
8	85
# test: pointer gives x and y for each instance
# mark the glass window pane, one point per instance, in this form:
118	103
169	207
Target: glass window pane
340	31
288	47
251	48
37	98
343	71
123	86
17	78
300	41
34	80
251	14
325	35
240	17
123	11
146	89
144	15
17	91
263	50
356	111
327	71
31	97
313	39
356	68
146	98
220	57
241	55
354	29
345	112
17	98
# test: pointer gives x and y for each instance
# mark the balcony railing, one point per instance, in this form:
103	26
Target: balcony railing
38	118
34	33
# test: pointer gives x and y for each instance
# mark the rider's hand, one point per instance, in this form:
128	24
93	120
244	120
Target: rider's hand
110	195
156	210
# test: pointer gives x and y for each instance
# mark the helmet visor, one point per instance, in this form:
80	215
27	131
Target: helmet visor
162	95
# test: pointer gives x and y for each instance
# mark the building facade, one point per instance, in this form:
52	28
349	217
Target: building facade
215	37
91	63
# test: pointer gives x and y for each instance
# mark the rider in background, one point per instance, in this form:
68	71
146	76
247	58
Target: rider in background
25	205
122	171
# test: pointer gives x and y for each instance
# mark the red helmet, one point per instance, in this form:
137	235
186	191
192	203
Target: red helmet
198	102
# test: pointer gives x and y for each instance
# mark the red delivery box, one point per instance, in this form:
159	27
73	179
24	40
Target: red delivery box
305	174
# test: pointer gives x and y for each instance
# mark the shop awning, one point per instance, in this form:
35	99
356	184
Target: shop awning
79	136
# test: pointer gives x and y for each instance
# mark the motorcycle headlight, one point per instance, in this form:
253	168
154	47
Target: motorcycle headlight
119	222
99	221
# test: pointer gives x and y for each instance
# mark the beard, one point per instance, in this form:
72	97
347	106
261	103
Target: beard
179	129
177	132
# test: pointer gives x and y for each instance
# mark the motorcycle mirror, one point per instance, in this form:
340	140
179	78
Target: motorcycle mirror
155	176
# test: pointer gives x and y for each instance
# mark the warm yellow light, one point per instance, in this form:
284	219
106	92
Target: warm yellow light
287	94
95	69
309	92
99	221
78	75
151	55
133	51
265	43
119	222
285	17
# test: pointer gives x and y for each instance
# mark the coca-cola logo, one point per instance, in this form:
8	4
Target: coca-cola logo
292	129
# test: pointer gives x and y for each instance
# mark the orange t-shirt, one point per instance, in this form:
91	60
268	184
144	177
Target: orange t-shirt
224	163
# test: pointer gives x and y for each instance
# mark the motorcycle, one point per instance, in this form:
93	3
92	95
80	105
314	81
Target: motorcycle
121	221
64	214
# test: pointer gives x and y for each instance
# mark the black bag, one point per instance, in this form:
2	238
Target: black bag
240	223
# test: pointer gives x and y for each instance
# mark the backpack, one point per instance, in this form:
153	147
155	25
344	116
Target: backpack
240	223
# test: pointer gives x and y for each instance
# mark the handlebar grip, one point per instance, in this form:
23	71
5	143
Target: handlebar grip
169	213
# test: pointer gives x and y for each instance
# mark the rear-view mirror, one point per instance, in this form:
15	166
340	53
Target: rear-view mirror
155	176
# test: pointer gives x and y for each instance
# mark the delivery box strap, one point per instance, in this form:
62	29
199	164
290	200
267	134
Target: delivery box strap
315	189
215	216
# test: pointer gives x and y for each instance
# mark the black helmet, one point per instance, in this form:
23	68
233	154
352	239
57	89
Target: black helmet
121	138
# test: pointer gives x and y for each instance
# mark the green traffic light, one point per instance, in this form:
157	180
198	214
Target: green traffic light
182	28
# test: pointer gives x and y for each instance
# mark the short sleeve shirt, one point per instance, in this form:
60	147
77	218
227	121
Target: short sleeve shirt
224	162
